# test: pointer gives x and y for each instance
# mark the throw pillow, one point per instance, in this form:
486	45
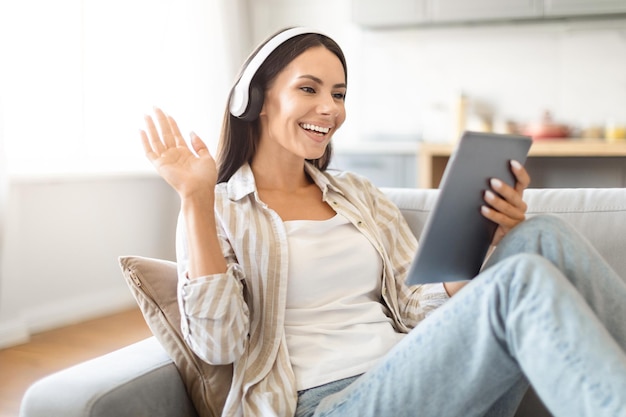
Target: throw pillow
153	283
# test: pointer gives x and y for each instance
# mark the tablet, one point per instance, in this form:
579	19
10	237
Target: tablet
456	236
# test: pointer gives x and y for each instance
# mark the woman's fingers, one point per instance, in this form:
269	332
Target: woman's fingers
166	136
521	176
501	219
147	147
198	145
509	200
506	199
153	136
178	137
505	205
166	129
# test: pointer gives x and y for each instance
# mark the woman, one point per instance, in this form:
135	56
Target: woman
296	276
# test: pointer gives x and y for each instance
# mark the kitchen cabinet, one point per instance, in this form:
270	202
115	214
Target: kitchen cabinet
465	10
398	13
583	7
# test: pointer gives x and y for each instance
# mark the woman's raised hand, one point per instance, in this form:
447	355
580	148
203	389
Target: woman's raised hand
187	172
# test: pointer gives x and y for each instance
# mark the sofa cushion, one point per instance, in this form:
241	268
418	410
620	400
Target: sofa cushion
153	283
137	380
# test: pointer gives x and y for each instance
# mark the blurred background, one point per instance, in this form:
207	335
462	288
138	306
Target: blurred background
77	76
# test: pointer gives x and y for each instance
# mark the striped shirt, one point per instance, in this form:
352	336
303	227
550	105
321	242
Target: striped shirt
238	317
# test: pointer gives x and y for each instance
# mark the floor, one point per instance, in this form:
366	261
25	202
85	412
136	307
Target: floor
54	350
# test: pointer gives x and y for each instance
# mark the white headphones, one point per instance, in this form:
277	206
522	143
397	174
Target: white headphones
246	100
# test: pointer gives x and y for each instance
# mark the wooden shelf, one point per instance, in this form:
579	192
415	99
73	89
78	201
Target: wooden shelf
433	157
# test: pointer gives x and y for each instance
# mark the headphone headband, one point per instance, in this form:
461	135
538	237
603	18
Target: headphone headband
240	95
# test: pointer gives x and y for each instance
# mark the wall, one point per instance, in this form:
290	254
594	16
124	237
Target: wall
63	237
405	82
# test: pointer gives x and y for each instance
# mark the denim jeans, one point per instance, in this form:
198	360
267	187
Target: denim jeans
546	309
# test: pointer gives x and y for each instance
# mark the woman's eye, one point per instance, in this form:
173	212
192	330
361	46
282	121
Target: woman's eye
308	90
339	96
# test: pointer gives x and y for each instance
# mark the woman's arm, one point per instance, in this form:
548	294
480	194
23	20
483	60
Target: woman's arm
205	255
214	315
193	176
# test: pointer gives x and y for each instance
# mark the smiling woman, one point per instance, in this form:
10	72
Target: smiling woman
81	71
284	267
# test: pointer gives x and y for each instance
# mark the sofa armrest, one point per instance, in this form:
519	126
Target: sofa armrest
138	380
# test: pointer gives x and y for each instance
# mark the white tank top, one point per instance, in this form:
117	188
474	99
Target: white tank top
335	325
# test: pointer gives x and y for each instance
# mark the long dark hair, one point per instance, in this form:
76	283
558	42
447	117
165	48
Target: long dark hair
239	139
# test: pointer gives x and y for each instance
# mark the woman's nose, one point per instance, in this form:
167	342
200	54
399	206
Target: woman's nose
328	105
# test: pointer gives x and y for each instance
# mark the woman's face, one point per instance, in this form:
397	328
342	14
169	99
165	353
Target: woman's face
304	106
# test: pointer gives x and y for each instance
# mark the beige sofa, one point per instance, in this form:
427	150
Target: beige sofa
142	379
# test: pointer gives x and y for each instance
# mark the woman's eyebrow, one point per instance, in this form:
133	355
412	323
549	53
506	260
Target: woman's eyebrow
319	81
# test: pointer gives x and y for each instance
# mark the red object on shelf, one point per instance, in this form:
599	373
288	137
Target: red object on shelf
546	129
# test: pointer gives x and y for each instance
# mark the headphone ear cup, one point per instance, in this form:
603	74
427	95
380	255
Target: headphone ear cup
255	104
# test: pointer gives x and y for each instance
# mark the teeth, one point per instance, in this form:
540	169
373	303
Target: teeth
315	128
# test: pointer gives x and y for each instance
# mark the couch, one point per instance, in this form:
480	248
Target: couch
143	379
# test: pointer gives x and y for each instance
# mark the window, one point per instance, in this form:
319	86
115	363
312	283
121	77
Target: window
81	74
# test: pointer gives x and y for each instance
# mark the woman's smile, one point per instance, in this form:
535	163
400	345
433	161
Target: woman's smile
316	132
317	129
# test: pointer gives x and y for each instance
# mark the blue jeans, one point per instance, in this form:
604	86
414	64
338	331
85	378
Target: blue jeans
546	309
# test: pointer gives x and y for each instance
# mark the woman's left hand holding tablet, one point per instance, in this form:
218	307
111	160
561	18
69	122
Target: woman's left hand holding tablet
188	171
504	204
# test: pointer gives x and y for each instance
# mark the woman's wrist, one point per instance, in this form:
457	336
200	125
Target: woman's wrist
453	287
200	198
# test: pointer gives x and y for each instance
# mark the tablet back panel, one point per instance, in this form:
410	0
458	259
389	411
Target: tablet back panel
457	237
